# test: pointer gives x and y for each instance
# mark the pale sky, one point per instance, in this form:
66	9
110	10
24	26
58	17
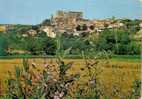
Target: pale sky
35	11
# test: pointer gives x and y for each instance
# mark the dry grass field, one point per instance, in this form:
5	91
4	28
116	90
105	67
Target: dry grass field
115	73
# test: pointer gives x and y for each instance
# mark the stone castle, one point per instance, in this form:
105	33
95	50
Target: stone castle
68	22
72	23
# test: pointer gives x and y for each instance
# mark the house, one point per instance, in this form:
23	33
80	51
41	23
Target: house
2	28
13	51
24	35
138	35
32	32
140	25
49	31
69	21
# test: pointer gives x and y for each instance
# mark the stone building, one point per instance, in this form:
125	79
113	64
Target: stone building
2	28
49	30
138	35
6	27
66	20
70	14
140	26
32	32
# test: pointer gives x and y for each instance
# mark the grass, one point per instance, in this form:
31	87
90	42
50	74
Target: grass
24	56
114	57
133	58
120	67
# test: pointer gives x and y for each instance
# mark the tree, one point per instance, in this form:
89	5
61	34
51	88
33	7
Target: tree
46	22
33	45
50	46
84	27
78	28
134	48
132	25
76	44
114	40
92	27
3	45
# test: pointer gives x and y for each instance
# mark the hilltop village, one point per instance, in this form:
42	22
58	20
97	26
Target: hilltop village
118	36
71	23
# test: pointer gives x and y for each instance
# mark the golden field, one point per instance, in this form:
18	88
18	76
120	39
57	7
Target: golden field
114	73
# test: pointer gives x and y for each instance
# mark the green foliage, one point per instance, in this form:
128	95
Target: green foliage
134	48
49	46
82	28
40	45
30	83
132	25
117	41
33	45
135	92
43	86
76	44
3	45
136	89
93	67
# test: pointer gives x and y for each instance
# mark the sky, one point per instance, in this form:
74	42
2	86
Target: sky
35	11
